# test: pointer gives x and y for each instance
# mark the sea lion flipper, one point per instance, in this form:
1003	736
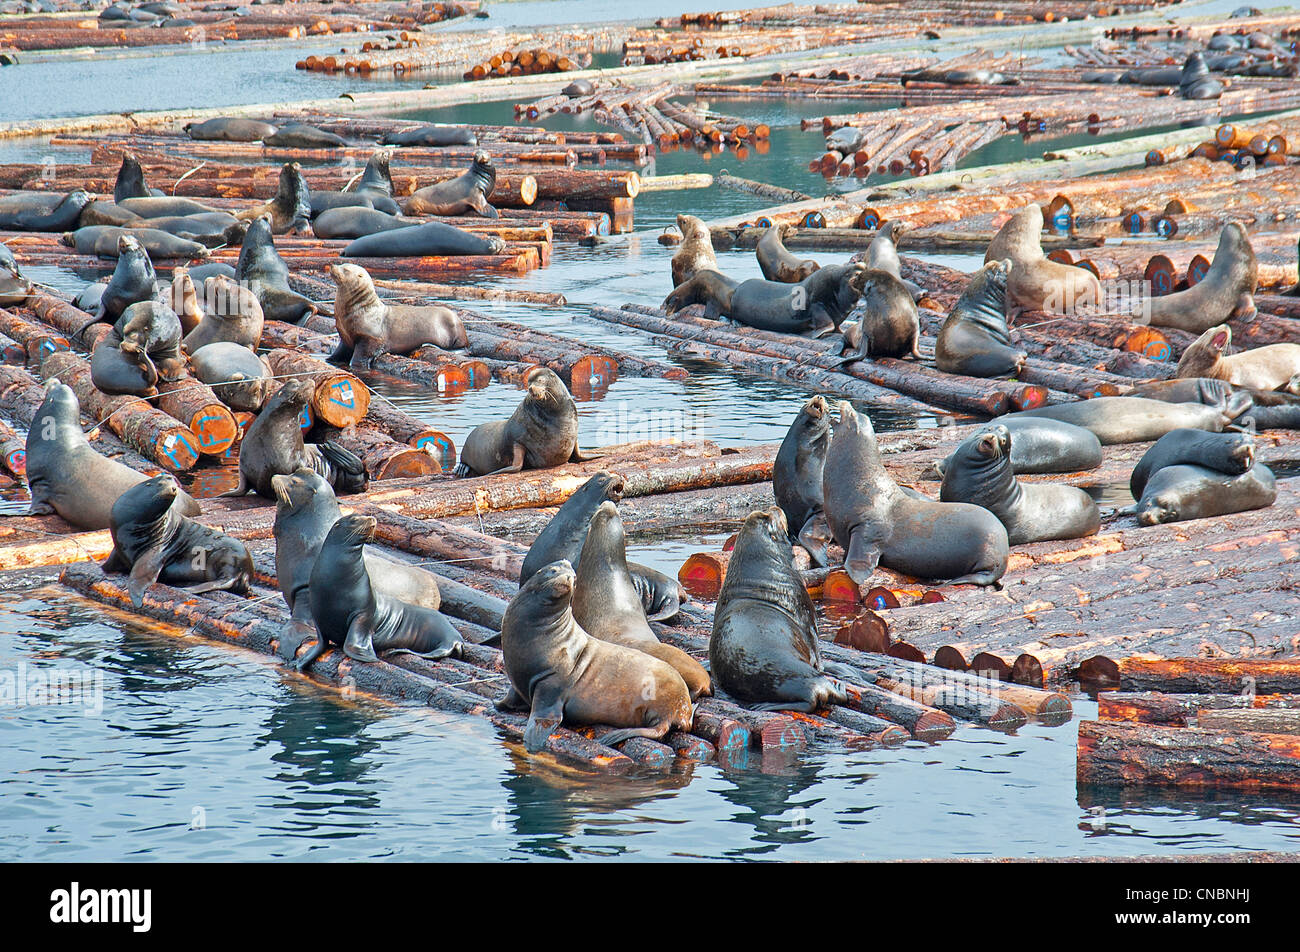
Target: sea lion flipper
292	635
359	645
364	352
627	733
40	507
578	456
512	701
863	555
116	563
240	490
342	354
815	536
148	566
546	713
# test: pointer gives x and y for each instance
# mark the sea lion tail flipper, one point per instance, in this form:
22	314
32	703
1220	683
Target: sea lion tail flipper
40	507
844	672
240	490
489	211
627	733
546	714
512	701
359	645
863	556
307	660
364	352
148	566
292	635
342	354
347	472
578	456
815	536
492	641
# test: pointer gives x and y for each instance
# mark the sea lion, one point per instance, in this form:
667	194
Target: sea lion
1036	282
608	606
764	650
99	212
201	272
373	190
134	280
695	253
467	192
151	338
882	255
1046	446
184	298
1182	492
430	238
1228	453
777	263
88	298
564	535
231	312
959	77
239	377
130	180
154	542
816	305
211	229
1139	419
356	221
797	477
846	140
299	135
878	523
979	472
431	135
224	129
559	673
261	269
166	207
1195	81
290	209
273	446
369	327
974	339
66	475
888	324
579	87
1271	367
542	432
42	211
102	240
1226	291
116	373
350	611
13	286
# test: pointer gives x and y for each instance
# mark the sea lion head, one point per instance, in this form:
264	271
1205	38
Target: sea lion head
295	491
1158	509
356	290
690	227
814	420
850	421
146	502
482	158
605	537
129	247
994	443
351	531
545	385
765	537
223	296
1194	69
610	486
295	393
1204	354
60	401
553	584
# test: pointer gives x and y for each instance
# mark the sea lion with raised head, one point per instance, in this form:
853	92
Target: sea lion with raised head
1228	453
1036	282
1195	81
797	477
261	269
369	327
1270	367
888	324
290	209
695	253
1045	446
1139	419
373	190
816	305
777	263
467	192
1181	492
974	339
130	180
561	674
240	378
42	211
229	129
184	298
1226	291
882	255
231	312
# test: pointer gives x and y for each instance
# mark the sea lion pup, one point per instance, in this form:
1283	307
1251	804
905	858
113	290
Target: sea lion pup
290	209
240	378
777	263
1195	81
64	473
1036	282
261	269
542	432
1228	453
817	305
1182	492
1045	446
431	134
273	446
608	606
979	472
764	649
888	324
350	611
42	211
224	129
561	674
1226	291
368	327
882	255
797	477
130	181
877	522
231	312
299	135
564	535
467	192
151	339
13	286
974	339
695	253
154	542
1271	367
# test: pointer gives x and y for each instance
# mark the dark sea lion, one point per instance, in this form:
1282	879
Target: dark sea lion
882	255
134	280
1262	368
764	650
116	373
88	298
130	180
1182	492
151	338
979	472
240	378
846	140
431	135
42	211
350	611
695	253
1226	291
564	535
211	229
299	135
261	269
369	327
1152	76
201	272
102	240
13	286
959	77
223	129
154	542
355	221
1036	282
373	190
231	312
888	324
66	475
166	207
273	446
1228	453
1195	81
467	192
818	304
542	432
431	238
579	87
974	339
561	674
290	209
797	477
878	523
706	286
99	212
1046	446
608	606
1138	419
777	263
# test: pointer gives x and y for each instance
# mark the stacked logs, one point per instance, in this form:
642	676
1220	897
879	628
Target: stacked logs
477	55
523	62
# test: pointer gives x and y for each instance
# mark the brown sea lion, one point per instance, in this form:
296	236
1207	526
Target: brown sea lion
888	324
1226	291
240	378
184	299
369	327
974	339
151	338
229	129
797	477
695	253
1271	367
467	192
777	263
231	312
1036	282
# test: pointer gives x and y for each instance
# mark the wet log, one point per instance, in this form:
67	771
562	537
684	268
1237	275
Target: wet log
384	457
1210	675
192	402
340	400
13	451
1180	710
1260	721
767	730
722	732
36	341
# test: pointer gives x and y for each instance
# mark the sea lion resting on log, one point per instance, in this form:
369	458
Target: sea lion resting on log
231	312
350	611
561	674
542	432
102	240
1036	282
974	339
777	263
153	541
224	129
695	253
467	192
888	324
431	134
290	209
66	475
877	522
240	378
210	229
373	190
1045	446
979	472
151	339
99	212
431	238
369	327
1178	493
959	77
1271	367
42	211
13	286
165	207
357	221
1272	409
1138	419
817	305
299	135
797	477
764	650
261	269
1226	291
114	373
1228	453
1195	81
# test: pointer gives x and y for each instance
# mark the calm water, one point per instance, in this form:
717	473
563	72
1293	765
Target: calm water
189	750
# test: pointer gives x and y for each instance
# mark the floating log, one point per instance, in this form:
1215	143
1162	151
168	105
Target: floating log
1210	675
340	400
